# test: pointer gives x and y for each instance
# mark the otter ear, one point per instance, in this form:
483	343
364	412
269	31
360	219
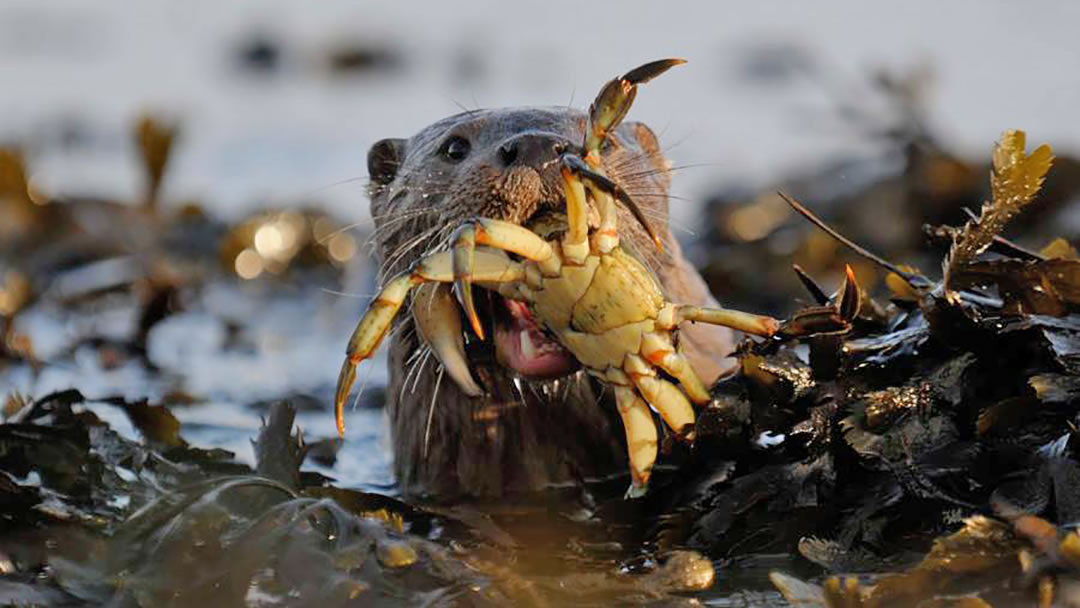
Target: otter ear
383	160
650	145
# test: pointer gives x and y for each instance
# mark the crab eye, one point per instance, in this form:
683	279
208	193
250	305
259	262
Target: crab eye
455	149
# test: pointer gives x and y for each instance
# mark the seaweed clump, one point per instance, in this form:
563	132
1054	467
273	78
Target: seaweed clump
915	441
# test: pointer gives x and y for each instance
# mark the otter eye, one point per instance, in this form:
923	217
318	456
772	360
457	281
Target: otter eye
455	149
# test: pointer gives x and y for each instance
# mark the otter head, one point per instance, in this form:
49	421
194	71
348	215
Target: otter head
501	164
538	420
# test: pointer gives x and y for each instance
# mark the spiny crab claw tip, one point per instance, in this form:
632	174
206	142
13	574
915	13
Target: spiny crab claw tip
465	291
477	327
645	73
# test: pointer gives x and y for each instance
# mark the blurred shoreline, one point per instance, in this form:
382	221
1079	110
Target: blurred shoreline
278	102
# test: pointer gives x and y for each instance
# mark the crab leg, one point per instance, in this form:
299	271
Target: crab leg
499	235
606	236
658	350
575	244
439	322
666	398
640	437
490	266
758	325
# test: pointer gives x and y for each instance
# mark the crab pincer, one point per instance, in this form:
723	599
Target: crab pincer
833	318
464	240
614	101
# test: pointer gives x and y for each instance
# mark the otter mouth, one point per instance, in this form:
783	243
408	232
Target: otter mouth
518	342
523	346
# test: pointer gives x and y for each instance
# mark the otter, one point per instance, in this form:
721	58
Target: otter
537	424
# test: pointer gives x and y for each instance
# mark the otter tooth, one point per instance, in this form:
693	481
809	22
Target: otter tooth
527	347
438	319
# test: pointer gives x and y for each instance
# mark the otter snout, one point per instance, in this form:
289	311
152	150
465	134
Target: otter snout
523	186
532	150
529	163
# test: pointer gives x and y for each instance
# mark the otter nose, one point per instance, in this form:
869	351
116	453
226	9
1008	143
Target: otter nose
532	149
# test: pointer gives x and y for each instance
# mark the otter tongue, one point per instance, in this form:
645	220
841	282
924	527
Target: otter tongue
522	346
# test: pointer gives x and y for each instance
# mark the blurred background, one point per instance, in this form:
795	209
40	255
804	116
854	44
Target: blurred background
183	186
279	101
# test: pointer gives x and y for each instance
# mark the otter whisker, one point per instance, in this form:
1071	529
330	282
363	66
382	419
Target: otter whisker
431	412
615	162
401	214
675	144
402	329
402	251
407	214
395	215
653	194
380	226
384	226
363	385
420	368
671	223
326	239
321	189
656	171
414	368
346	294
645	156
413	356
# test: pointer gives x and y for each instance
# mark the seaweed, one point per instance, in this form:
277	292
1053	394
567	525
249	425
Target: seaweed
937	424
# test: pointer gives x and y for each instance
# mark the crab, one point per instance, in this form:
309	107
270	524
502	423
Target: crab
573	281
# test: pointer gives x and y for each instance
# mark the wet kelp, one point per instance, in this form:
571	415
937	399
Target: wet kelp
106	519
932	439
94	518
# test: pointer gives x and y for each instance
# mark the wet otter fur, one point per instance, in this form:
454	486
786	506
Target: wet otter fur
523	435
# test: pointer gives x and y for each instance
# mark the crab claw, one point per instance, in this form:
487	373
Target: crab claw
346	377
438	320
464	240
580	169
369	333
614	101
834	318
